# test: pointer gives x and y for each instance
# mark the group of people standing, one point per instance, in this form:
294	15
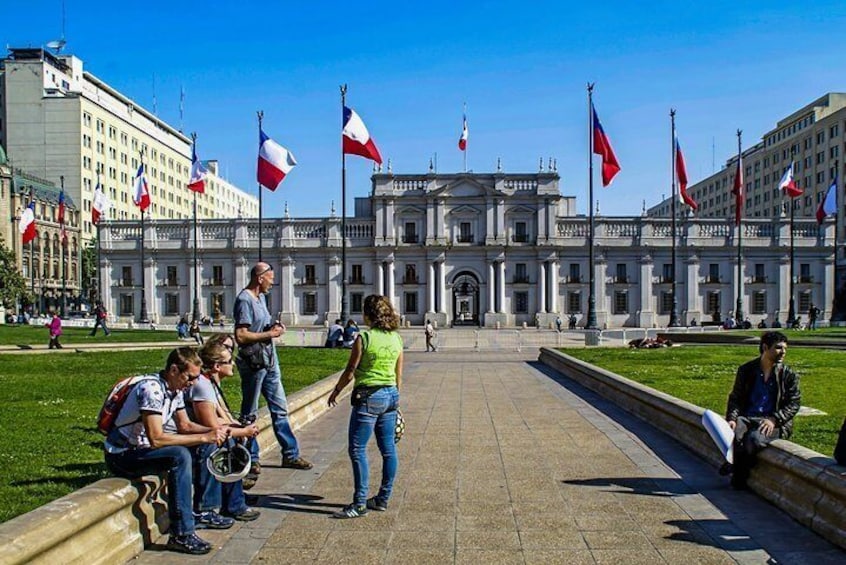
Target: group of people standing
174	421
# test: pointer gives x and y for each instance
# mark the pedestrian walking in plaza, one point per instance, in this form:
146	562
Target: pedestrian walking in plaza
100	316
258	365
430	335
761	406
376	367
55	327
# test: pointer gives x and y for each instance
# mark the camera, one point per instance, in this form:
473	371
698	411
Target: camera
247	419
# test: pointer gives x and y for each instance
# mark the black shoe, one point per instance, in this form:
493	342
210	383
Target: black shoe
376	504
351	511
726	470
212	521
247	515
188	543
296	463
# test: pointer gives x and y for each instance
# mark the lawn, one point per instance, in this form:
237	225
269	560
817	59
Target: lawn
49	445
703	375
37	335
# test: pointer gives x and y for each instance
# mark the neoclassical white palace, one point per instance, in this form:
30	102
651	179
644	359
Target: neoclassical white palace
480	249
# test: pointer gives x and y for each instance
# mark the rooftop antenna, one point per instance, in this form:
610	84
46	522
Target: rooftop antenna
59	44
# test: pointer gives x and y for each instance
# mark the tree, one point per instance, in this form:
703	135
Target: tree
89	291
12	284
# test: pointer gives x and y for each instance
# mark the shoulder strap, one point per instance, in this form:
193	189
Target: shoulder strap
132	384
222	396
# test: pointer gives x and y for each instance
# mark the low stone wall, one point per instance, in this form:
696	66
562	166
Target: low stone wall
112	520
807	485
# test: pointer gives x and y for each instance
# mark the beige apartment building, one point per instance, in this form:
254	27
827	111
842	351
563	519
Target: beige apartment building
57	119
812	137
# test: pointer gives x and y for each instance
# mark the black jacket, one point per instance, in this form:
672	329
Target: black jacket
787	399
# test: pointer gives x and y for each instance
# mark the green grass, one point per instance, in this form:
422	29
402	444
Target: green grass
49	445
703	375
38	335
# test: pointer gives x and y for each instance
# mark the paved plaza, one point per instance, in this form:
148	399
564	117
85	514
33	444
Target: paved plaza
505	462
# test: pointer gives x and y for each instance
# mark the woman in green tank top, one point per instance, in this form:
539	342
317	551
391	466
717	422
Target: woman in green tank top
376	366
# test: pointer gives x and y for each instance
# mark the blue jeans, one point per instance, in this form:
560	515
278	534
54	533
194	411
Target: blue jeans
102	324
378	413
176	461
268	382
211	494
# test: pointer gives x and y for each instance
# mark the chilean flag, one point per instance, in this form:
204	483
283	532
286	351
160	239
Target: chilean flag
100	205
602	146
788	183
61	214
737	190
27	225
356	138
274	162
462	141
827	207
141	197
197	182
681	173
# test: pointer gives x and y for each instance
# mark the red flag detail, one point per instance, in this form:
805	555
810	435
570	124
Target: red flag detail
737	190
681	174
602	146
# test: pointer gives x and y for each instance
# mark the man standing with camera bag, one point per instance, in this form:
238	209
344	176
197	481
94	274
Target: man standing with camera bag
259	367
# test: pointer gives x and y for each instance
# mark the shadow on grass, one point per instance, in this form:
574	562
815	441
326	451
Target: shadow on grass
74	475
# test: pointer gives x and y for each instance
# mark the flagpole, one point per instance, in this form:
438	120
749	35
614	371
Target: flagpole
590	324
738	311
32	256
260	115
64	248
144	317
674	316
99	250
834	261
343	214
195	313
791	303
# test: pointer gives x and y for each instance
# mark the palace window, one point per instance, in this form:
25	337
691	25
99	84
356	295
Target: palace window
310	303
356	301
410	303
621	302
521	302
574	302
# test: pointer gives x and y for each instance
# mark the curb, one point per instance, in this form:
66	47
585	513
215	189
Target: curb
807	485
114	519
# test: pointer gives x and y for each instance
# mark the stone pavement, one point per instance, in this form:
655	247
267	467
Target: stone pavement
505	462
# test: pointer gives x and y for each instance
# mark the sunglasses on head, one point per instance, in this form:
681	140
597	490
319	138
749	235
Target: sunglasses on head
267	270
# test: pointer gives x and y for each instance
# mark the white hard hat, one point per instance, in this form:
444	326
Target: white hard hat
229	464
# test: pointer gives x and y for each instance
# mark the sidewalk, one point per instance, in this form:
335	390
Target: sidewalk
503	462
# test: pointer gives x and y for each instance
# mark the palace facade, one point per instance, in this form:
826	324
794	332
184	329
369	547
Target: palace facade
491	249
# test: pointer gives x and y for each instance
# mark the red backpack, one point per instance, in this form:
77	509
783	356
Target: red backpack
115	400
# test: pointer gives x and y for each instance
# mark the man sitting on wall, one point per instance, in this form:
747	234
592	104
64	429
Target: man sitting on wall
761	405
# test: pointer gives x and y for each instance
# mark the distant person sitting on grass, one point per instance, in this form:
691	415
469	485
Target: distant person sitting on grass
100	315
761	406
335	335
194	331
55	327
138	444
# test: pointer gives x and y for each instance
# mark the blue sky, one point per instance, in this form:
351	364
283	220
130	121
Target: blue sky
521	69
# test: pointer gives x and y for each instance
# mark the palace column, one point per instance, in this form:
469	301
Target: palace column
380	278
553	287
491	287
430	287
391	281
542	286
442	287
501	281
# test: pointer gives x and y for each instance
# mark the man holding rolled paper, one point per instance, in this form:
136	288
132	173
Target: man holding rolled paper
761	405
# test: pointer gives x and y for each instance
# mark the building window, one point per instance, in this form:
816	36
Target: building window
520	273
521	233
805	300
171	304
127	306
356	301
759	277
805	273
171	276
310	277
357	275
464	234
217	275
759	302
666	305
126	276
574	302
410	274
310	303
621	302
714	272
714	306
621	276
667	273
410	233
521	302
410	302
575	273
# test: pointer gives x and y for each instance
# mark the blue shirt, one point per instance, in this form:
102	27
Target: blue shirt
251	311
762	400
